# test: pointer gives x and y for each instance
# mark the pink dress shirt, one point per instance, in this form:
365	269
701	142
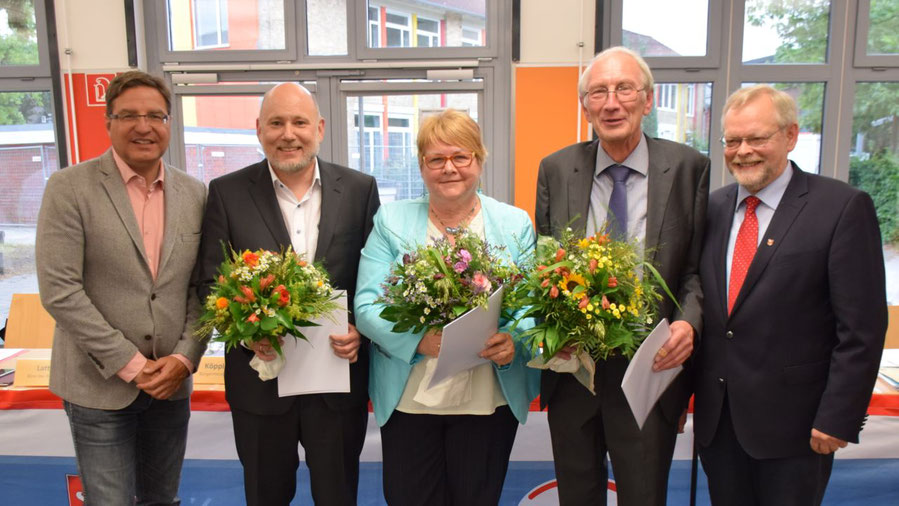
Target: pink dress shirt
148	203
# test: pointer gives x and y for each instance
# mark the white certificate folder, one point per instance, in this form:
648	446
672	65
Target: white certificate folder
463	339
641	385
311	367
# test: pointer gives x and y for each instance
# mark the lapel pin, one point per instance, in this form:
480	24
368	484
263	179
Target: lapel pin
770	242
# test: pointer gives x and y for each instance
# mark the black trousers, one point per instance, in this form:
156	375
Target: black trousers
332	440
737	479
585	428
441	460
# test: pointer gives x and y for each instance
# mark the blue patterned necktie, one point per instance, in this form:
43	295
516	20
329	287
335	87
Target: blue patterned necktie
617	218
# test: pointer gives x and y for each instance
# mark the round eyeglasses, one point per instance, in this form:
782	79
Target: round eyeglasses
438	162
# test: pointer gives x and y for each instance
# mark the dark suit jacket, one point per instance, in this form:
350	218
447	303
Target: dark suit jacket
802	346
675	215
242	211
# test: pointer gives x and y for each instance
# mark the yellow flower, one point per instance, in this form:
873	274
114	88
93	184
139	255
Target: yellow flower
571	281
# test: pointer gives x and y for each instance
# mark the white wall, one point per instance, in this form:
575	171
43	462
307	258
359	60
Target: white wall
94	30
552	29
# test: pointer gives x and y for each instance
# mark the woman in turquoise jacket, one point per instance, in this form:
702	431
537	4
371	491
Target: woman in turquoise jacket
449	444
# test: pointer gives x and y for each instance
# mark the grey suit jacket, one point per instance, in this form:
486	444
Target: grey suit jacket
675	217
95	281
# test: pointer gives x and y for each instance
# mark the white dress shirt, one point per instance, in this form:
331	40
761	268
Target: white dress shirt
301	216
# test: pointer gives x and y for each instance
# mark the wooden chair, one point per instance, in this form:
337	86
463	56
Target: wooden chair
893	329
28	325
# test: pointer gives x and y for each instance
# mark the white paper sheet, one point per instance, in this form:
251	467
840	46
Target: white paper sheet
464	337
311	367
641	385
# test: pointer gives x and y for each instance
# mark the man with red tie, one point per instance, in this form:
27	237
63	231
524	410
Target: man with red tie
794	314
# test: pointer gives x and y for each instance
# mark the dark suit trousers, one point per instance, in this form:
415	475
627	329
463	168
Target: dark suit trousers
584	428
442	460
737	479
332	440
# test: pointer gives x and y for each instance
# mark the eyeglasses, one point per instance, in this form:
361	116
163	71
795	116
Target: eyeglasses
438	162
732	143
154	118
624	92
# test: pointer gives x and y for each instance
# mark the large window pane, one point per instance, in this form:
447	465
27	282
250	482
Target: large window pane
874	165
219	134
681	113
776	31
672	28
883	27
225	24
18	33
382	132
810	101
27	158
425	23
326	27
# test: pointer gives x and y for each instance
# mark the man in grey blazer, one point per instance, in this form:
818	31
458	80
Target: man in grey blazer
666	186
325	211
117	240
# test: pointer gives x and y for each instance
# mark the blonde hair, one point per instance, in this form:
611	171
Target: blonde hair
451	127
582	82
784	105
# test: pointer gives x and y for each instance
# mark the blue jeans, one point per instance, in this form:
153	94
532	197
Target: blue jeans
132	452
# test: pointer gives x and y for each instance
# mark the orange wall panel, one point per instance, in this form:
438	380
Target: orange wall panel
546	113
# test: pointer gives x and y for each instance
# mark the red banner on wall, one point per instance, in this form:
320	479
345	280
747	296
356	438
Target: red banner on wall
86	109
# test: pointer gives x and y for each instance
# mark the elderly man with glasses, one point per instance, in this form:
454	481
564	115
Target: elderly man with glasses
794	310
654	192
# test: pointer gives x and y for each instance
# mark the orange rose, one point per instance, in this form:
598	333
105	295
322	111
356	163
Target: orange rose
593	265
221	303
560	254
583	303
613	282
250	258
252	318
605	302
553	292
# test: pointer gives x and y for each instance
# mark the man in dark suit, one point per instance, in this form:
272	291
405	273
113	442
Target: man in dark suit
324	211
795	314
666	192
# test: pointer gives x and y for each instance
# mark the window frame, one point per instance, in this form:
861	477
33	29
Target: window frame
714	33
490	49
862	58
156	20
42	67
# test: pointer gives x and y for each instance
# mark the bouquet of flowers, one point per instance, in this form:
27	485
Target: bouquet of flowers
438	283
587	293
265	295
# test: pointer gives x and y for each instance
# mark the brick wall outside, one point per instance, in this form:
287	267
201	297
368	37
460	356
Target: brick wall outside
23	172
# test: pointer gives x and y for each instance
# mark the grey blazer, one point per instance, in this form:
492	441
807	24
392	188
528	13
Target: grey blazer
95	281
675	218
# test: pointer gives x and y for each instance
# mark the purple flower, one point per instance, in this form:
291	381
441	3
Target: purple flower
407	259
464	255
460	267
481	283
439	276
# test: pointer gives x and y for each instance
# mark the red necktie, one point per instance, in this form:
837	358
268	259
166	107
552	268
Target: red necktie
744	250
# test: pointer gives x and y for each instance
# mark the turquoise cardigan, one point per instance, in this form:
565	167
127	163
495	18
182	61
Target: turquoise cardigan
399	227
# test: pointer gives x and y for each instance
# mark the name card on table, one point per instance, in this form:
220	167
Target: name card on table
211	371
32	372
